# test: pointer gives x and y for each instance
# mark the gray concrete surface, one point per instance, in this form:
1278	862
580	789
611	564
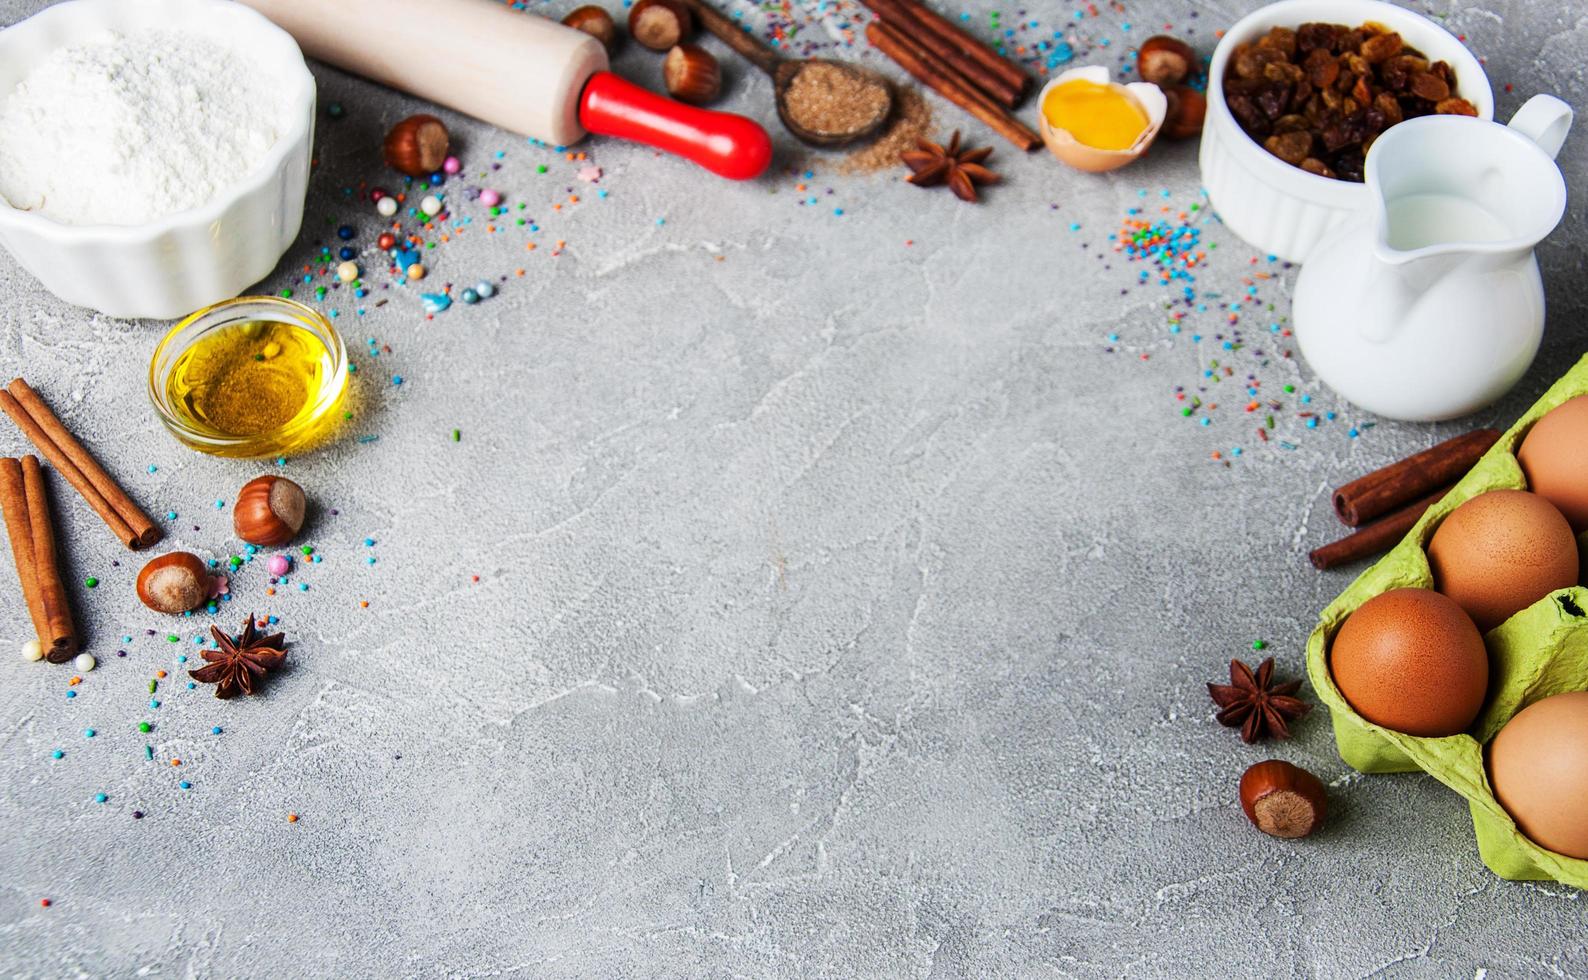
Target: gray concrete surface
843	606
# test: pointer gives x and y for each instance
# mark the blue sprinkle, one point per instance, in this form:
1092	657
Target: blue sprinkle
71	694
435	302
89	733
216	730
345	232
57	754
100	798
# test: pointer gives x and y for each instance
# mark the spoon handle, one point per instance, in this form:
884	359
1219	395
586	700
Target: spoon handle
735	36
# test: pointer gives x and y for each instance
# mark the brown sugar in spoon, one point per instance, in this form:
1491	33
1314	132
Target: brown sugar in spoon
821	101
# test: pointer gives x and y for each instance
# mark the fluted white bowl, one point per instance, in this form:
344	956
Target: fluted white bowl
1283	210
175	264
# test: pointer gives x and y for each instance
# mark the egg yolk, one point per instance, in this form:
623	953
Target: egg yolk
1103	117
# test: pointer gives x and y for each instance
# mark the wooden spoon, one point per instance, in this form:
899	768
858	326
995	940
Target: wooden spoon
783	72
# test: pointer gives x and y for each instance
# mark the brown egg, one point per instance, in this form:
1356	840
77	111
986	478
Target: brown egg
1554	456
1500	552
1411	660
1538	765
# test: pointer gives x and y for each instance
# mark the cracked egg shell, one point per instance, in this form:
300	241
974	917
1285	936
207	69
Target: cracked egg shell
1072	152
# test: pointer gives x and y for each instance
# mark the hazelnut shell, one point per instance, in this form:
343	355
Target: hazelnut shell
691	74
269	510
1187	110
173	583
417	146
596	22
1283	800
1164	60
660	24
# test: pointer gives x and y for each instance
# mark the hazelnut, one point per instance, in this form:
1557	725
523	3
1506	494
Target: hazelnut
417	146
269	510
1283	800
596	22
1187	109
174	583
691	74
1164	60
660	24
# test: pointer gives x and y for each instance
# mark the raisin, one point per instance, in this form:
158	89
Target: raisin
1283	72
1313	165
1310	37
1389	108
1274	100
1318	96
1281	39
1456	107
1348	166
1429	86
1381	47
1246	112
1249	62
1322	67
1290	147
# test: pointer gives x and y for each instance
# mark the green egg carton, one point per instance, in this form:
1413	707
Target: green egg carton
1542	650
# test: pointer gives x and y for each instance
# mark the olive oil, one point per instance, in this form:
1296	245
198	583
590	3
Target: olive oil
252	378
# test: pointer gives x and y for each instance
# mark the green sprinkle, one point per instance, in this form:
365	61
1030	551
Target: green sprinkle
144	726
1259	645
457	435
173	638
153	686
90	581
540	169
307	550
285	294
1290	389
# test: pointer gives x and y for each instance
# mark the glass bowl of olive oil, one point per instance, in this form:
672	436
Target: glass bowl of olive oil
250	377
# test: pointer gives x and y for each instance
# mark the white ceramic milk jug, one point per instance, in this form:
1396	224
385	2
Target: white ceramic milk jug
1428	304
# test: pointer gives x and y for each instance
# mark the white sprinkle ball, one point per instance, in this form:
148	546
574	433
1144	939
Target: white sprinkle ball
85	662
387	206
31	650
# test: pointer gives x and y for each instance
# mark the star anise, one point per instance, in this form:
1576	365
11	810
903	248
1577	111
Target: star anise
933	164
242	661
1255	704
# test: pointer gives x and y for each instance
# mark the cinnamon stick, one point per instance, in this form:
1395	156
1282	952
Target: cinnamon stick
59	639
1387	488
1375	538
19	529
993	85
124	518
1012	74
932	72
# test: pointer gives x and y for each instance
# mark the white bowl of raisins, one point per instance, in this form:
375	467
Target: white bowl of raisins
1297	92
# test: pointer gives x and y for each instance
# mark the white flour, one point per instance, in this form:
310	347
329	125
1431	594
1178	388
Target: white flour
120	129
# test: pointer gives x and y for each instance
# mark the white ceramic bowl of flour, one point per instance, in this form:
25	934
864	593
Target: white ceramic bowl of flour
186	238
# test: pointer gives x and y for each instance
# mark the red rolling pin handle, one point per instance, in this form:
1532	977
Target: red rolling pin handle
728	145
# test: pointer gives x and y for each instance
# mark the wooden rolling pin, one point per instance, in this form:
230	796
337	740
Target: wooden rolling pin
522	72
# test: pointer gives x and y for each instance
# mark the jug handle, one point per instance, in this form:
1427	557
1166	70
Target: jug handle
1545	120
